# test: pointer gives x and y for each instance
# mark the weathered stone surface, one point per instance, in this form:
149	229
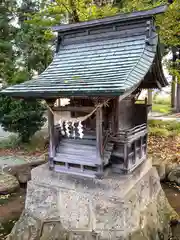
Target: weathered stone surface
118	207
41	201
175	226
26	228
23	174
161	169
174	175
170	167
75	210
8	183
53	231
19	167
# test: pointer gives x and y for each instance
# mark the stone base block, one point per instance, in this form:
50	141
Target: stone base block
116	207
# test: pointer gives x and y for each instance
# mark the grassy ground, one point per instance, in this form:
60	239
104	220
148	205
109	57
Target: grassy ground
161	108
164	141
37	145
161	105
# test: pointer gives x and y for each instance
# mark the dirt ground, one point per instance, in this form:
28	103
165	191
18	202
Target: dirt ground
10	211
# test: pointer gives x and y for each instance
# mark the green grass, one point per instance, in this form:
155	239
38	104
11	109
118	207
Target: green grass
37	143
161	108
162	100
10	142
164	128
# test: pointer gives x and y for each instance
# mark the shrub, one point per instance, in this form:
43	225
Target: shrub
10	142
166	128
173	125
156	122
155	131
22	117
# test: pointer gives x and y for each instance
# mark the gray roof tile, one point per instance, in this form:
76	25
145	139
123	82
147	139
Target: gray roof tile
94	65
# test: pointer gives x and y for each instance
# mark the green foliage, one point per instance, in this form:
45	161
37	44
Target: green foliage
31	40
164	128
160	132
21	117
70	11
170	29
36	144
10	142
134	5
7	35
170	35
24	50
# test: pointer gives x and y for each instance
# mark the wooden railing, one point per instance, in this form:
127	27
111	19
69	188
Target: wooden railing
131	147
130	134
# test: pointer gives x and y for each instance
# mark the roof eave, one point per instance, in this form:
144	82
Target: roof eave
55	95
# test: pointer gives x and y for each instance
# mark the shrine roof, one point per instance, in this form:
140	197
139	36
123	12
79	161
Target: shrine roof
104	57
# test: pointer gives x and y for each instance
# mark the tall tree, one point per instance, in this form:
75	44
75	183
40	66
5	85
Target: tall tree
18	60
7	35
81	10
60	11
36	52
170	35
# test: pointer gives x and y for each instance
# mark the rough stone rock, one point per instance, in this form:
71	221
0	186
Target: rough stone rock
23	174
153	225
116	207
8	183
27	227
161	169
155	220
23	171
170	167
175	226
174	176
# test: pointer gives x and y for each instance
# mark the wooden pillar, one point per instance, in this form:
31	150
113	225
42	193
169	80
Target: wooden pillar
99	136
51	134
126	160
135	151
115	116
141	147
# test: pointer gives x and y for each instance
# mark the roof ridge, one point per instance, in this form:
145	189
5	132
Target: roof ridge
113	19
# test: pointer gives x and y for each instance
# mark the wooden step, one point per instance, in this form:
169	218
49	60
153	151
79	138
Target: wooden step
86	173
79	141
118	154
76	159
75	146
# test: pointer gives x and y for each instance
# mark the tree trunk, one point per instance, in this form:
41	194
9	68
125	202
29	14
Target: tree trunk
173	84
73	14
150	91
173	92
178	99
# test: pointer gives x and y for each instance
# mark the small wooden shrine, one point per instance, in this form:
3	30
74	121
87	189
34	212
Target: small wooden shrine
101	66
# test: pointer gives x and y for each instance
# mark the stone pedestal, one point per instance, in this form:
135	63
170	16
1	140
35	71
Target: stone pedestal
131	207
